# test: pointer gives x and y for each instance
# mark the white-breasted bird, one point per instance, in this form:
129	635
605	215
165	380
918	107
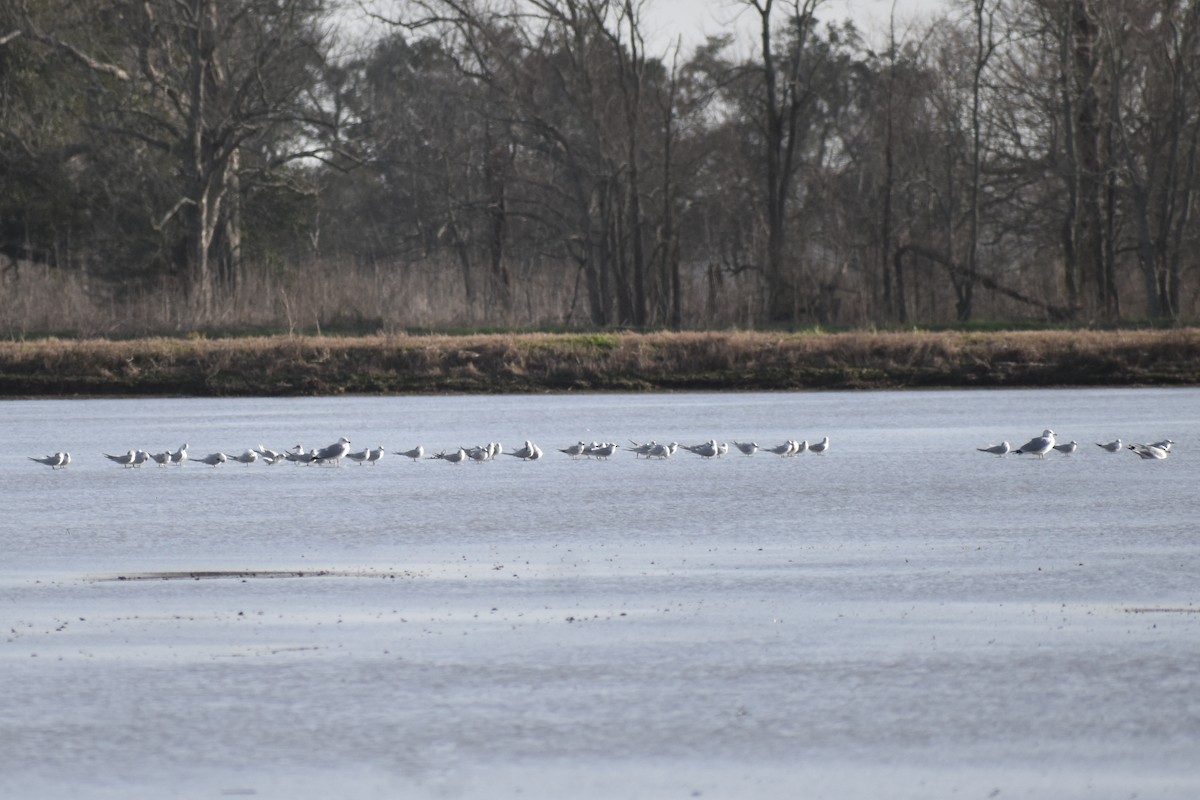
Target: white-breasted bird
1149	451
162	459
247	457
360	456
125	459
415	454
214	459
375	455
747	448
820	447
180	456
1067	448
575	450
706	450
334	452
56	461
1039	445
996	449
1164	444
1112	447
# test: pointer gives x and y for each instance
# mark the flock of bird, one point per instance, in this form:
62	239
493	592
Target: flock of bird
1041	445
334	453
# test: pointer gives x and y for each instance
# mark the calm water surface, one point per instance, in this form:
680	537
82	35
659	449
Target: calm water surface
901	612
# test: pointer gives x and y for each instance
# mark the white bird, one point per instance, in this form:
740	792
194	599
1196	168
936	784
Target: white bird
659	451
707	450
454	458
820	447
528	452
125	460
1149	451
801	446
360	456
334	452
374	455
162	459
604	450
213	459
478	454
269	455
1039	445
1067	448
782	449
299	455
1165	444
248	457
1112	447
415	454
996	449
140	457
747	448
639	450
722	449
180	455
575	450
59	459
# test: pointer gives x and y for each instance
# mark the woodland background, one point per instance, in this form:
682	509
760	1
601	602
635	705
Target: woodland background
176	166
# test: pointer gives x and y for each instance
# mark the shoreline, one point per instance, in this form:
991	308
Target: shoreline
596	362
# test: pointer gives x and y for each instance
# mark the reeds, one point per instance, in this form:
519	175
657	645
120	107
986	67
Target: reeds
309	365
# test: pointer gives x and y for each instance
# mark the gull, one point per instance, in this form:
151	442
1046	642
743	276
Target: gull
162	459
59	459
360	456
454	458
603	451
374	455
1112	447
707	450
1165	444
722	449
996	449
782	449
125	460
415	454
1039	445
180	455
747	448
1149	451
530	452
269	455
640	450
1068	448
820	447
213	459
334	452
575	450
247	458
660	451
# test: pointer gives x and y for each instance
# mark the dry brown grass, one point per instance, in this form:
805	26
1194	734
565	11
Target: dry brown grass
540	362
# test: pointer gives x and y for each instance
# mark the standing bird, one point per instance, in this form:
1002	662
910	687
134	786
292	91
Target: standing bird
162	459
454	458
820	447
707	450
334	452
784	449
415	454
180	455
59	459
125	460
213	459
360	456
747	448
1039	445
1067	448
248	457
575	450
373	456
1165	444
1112	447
996	449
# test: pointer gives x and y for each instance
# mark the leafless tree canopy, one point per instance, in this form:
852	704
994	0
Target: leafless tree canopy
186	164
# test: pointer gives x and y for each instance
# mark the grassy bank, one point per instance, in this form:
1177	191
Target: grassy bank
598	362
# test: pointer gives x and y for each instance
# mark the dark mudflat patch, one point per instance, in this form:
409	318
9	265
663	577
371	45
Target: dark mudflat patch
244	575
1162	610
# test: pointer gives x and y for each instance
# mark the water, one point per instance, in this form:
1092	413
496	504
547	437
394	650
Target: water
902	615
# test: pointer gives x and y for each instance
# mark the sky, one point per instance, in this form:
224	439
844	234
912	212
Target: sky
695	19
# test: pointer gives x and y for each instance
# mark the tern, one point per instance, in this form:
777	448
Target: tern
603	451
269	455
180	455
1067	448
213	459
1149	451
707	450
1112	447
125	460
722	449
820	447
373	456
454	458
360	456
59	459
783	449
660	451
299	455
996	449
528	452
575	450
415	454
640	450
1165	444
747	448
162	459
1039	445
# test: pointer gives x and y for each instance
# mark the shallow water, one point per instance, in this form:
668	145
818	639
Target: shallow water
902	614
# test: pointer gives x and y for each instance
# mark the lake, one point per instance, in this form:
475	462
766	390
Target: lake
901	616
